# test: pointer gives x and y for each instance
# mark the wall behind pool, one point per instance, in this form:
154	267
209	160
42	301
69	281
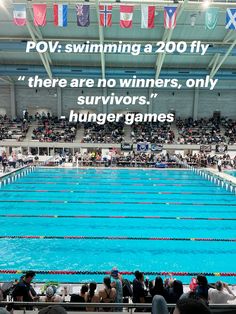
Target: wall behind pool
182	101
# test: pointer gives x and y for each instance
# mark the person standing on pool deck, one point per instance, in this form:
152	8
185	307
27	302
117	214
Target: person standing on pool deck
219	165
117	284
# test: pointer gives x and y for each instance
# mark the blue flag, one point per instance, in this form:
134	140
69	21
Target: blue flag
230	19
82	12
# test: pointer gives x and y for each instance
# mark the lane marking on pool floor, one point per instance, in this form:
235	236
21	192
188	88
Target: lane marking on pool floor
114	184
112	202
117	217
113	192
42	237
119	178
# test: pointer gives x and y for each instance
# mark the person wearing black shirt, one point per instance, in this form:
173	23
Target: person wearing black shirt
138	288
79	298
158	288
23	290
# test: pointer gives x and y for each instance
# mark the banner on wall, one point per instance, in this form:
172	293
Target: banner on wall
126	146
221	148
205	148
142	147
156	147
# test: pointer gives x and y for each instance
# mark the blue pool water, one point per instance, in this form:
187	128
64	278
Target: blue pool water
232	173
135	194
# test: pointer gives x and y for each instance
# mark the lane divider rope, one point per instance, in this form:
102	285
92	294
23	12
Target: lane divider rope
115	202
87	272
115	238
112	192
115	217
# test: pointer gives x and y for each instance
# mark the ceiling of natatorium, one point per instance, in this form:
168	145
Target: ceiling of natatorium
220	59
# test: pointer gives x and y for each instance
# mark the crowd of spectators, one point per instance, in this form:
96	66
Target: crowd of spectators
116	289
142	159
230	130
49	133
203	131
13	129
107	133
118	158
14	160
50	128
205	160
152	132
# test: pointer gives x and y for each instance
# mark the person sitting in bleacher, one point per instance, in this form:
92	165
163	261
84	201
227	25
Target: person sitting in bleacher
107	294
80	298
92	297
183	306
221	294
51	295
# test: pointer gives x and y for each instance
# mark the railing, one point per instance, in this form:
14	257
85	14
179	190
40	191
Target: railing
129	306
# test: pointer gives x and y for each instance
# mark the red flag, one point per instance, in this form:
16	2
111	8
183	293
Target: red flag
147	16
126	16
105	12
40	11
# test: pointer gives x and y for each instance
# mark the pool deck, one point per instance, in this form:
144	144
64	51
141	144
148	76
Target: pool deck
69	166
5	174
223	175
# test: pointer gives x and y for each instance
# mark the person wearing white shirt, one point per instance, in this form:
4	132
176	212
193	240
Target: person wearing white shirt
219	164
221	294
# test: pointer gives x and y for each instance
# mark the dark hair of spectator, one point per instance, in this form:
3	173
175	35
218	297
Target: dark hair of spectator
107	282
202	280
84	289
159	287
192	306
92	288
30	274
178	287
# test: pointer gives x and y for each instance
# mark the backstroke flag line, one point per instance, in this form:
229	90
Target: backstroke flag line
126	16
147	16
211	17
82	12
19	14
60	14
40	11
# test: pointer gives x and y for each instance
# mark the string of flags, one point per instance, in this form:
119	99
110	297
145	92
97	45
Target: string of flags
60	13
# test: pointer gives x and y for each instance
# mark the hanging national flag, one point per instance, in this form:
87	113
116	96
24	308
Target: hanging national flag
170	14
105	13
60	14
211	17
82	12
126	16
40	11
19	14
230	19
147	16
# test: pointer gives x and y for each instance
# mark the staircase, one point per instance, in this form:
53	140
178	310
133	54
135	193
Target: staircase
79	134
127	132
